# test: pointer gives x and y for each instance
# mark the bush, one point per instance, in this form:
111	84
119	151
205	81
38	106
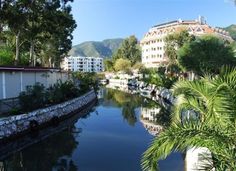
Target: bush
37	96
60	92
33	97
15	111
6	56
159	77
86	81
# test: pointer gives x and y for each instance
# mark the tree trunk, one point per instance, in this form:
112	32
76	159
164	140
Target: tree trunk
192	76
32	58
17	48
50	61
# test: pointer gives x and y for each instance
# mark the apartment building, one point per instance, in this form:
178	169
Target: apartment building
83	64
153	43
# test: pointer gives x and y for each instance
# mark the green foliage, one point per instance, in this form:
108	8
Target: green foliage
129	50
34	30
122	65
213	98
98	49
138	65
232	30
6	56
233	45
87	80
108	63
14	111
32	98
206	55
37	96
60	92
127	102
175	41
159	77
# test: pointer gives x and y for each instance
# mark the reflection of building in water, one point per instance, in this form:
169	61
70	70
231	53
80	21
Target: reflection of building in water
149	120
100	93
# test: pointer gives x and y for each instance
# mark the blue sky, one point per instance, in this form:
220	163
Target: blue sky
102	19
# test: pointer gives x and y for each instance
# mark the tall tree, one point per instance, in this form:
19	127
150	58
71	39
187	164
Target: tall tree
60	33
129	50
122	65
13	16
206	54
108	65
175	41
46	25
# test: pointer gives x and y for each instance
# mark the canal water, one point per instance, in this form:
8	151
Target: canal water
111	136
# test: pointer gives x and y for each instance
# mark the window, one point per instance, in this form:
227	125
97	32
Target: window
199	29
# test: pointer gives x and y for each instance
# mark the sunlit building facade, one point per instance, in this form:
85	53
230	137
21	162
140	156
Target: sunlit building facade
153	43
83	64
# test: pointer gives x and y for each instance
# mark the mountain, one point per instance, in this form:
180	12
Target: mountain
104	48
232	30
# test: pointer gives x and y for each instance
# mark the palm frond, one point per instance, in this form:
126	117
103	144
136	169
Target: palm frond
179	137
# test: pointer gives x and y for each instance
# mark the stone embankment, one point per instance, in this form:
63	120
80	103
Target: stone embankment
142	88
20	124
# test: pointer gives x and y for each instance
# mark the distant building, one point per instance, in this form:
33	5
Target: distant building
83	64
153	45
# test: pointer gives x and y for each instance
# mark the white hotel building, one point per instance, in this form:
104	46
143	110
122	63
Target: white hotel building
153	44
83	64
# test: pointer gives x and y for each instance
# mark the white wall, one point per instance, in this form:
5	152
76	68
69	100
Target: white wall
13	82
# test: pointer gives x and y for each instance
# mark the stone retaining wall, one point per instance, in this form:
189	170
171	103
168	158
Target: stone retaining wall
15	125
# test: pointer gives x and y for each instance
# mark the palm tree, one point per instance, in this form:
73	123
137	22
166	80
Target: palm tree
213	98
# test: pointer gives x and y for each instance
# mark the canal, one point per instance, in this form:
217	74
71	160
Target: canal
111	136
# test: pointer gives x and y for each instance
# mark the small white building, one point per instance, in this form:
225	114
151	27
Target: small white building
83	64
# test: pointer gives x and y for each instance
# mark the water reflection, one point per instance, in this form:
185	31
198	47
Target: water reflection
126	101
44	155
112	137
51	149
154	117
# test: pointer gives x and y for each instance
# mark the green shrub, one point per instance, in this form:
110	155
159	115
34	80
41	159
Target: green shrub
6	56
86	80
37	96
15	111
33	97
60	92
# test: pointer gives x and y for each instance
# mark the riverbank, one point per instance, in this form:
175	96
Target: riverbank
112	127
144	89
28	140
19	125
